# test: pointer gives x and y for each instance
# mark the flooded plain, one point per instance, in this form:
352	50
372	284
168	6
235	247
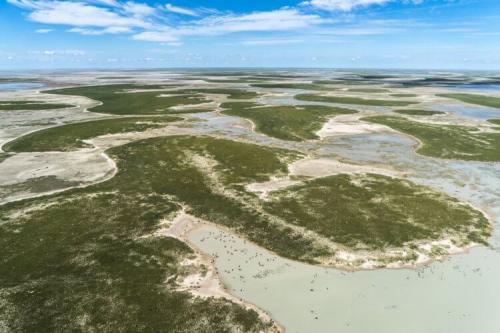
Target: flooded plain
16	86
459	294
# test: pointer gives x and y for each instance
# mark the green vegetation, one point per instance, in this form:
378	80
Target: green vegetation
305	86
375	211
418	112
294	123
36	185
368	90
447	141
18	79
4	156
493	102
232	93
117	100
375	76
340	82
495	121
87	259
70	137
403	95
350	100
31	105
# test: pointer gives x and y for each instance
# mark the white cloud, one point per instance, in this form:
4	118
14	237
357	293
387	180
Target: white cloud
359	31
348	5
112	3
95	32
156	36
278	20
98	17
180	10
342	5
138	9
80	14
282	19
26	4
74	53
43	31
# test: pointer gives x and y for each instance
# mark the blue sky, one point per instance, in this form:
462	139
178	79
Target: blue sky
428	34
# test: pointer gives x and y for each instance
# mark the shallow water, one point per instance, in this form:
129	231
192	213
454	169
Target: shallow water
469	111
457	295
16	86
288	99
479	87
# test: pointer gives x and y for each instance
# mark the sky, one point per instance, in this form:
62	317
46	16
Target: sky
109	34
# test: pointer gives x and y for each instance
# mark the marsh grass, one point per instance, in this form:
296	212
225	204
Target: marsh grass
84	260
288	85
447	141
490	101
117	99
87	259
37	185
418	112
403	95
31	105
368	90
232	93
293	123
376	212
71	136
351	100
4	156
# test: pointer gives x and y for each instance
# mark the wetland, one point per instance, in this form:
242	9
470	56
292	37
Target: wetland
248	201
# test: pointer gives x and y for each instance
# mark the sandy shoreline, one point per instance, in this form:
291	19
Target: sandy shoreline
210	284
183	225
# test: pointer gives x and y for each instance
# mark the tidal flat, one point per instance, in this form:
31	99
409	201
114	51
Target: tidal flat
189	217
447	141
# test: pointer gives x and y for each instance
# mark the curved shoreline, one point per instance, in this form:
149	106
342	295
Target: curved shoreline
233	297
181	227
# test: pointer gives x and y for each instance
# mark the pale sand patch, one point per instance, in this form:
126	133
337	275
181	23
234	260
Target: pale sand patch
80	166
409	256
194	107
21	122
314	168
323	167
107	141
86	167
265	188
348	124
208	284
